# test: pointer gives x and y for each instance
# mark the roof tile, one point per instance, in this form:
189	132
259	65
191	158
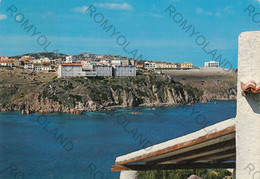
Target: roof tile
250	86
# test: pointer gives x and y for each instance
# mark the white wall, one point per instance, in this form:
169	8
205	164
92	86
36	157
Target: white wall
248	115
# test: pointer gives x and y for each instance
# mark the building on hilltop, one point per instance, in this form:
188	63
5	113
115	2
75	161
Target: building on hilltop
37	61
6	63
87	68
139	66
149	65
127	70
68	59
28	65
44	59
125	62
186	65
102	70
119	61
171	65
99	57
76	69
37	67
28	57
16	62
46	68
69	70
105	62
159	65
211	64
116	62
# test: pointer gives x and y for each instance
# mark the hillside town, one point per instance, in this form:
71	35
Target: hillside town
93	65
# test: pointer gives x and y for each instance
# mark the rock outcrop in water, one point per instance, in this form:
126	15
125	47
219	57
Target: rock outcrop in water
75	95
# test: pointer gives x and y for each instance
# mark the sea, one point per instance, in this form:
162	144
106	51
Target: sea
67	146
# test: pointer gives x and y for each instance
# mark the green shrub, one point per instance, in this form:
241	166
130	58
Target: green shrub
120	99
185	173
77	97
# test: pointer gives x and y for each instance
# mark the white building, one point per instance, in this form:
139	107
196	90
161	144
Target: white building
87	65
37	67
73	69
46	68
44	60
37	61
105	62
116	62
69	70
99	56
102	70
28	66
149	65
69	59
86	55
88	69
125	62
27	57
125	71
171	65
211	64
6	64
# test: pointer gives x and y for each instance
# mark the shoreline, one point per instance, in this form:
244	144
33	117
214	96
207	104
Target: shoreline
112	108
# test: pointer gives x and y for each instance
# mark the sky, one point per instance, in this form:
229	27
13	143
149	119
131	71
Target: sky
151	31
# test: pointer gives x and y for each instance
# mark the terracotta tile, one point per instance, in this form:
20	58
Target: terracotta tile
250	86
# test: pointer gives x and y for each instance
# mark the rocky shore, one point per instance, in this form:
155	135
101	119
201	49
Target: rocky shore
29	93
44	93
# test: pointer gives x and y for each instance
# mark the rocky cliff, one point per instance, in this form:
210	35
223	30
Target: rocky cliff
215	85
43	93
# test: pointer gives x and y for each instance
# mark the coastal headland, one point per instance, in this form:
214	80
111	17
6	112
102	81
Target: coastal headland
39	92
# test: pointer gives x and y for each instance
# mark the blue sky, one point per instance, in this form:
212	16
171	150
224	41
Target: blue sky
143	23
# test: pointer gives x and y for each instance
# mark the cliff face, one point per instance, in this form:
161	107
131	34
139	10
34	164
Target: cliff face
215	85
224	94
75	95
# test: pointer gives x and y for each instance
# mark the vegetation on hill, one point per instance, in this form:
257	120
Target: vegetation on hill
43	92
38	55
185	173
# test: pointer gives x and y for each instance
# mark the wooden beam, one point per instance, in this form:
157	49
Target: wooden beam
185	144
118	168
208	157
230	158
227	143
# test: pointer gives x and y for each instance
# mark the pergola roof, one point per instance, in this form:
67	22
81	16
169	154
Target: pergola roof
210	147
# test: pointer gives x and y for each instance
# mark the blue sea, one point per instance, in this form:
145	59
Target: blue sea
65	146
